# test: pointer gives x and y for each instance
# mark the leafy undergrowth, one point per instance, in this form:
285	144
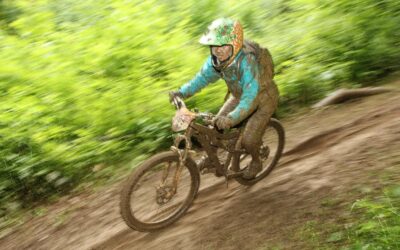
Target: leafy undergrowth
370	223
378	226
101	175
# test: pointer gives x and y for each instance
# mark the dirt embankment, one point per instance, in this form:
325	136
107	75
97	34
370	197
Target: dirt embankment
331	153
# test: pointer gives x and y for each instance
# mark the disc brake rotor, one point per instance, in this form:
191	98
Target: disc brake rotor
164	194
264	152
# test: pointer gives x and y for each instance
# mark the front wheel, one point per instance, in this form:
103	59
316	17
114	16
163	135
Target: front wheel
273	142
159	192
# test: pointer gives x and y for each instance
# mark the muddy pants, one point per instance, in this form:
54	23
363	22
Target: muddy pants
260	114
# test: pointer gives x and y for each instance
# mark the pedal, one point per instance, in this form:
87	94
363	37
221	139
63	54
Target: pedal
231	174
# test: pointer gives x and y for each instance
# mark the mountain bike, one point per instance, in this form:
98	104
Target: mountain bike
162	188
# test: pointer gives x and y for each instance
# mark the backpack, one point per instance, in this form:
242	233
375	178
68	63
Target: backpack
264	60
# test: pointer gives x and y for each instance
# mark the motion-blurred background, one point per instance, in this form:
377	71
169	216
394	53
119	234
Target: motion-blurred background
83	84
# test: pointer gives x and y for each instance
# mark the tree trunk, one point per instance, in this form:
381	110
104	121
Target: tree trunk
343	95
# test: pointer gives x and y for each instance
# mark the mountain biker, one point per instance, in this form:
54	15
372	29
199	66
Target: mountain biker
253	93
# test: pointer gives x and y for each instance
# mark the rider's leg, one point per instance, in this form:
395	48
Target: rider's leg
253	132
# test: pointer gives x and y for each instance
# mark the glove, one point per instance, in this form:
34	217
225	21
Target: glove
173	94
223	122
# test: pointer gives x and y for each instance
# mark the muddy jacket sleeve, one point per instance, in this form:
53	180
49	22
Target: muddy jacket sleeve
206	75
250	87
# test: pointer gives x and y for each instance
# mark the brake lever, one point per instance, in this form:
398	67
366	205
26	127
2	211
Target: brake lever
178	103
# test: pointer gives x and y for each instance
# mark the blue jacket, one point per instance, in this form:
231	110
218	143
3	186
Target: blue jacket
246	89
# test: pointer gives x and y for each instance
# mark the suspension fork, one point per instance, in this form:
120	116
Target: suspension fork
183	154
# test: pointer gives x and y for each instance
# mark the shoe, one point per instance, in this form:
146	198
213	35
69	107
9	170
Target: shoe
253	169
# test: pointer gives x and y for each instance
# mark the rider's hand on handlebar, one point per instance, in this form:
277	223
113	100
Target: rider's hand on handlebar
173	95
223	122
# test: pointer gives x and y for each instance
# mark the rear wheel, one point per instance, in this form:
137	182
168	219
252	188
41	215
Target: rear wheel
273	142
159	192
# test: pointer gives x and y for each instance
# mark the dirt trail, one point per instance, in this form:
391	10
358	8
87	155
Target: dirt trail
330	153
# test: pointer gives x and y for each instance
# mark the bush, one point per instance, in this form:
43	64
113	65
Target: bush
379	225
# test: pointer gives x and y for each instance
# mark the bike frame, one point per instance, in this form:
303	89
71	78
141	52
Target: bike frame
211	140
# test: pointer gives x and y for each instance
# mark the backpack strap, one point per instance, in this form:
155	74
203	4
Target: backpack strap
238	63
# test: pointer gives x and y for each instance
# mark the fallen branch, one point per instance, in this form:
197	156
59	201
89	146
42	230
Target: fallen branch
343	95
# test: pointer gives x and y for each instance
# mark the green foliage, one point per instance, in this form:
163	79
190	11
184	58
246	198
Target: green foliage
374	223
379	225
83	83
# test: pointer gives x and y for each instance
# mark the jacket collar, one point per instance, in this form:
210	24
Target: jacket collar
232	64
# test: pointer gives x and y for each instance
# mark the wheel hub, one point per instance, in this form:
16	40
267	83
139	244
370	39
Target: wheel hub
164	194
264	152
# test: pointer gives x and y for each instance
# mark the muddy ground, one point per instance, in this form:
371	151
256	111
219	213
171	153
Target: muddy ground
333	155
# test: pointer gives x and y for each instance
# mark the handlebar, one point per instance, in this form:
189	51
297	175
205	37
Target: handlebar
206	117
